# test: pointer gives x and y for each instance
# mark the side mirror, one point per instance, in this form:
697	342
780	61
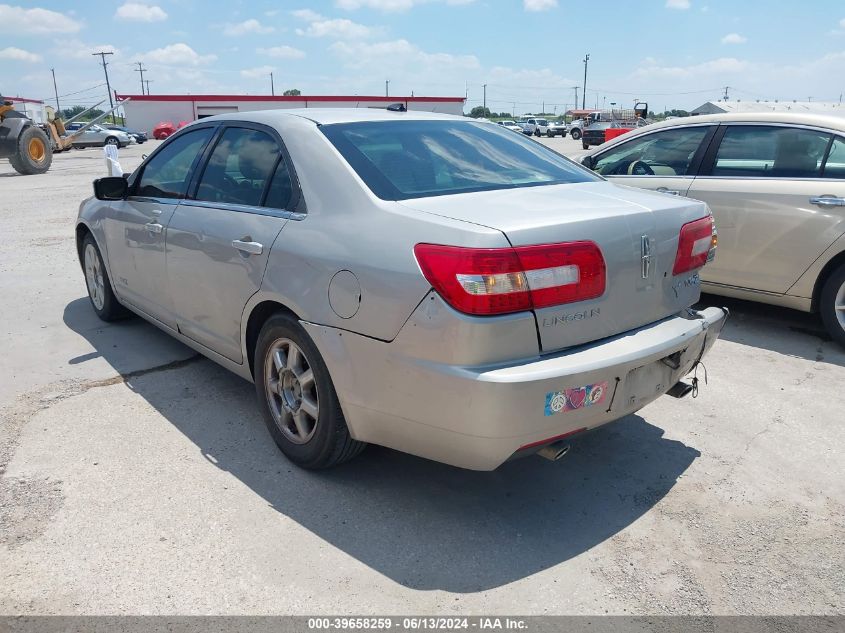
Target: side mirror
111	188
587	161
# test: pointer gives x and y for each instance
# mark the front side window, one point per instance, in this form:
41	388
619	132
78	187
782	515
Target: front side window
414	159
239	167
666	153
834	166
167	173
760	151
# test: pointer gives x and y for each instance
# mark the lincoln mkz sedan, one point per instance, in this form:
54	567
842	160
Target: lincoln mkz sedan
429	283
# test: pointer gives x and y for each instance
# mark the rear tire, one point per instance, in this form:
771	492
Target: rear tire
97	281
297	397
33	154
111	140
832	305
585	145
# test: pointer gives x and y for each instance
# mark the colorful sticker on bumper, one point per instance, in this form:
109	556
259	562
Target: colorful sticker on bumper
575	398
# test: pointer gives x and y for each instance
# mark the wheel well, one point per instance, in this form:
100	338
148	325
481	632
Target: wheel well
259	315
81	232
827	271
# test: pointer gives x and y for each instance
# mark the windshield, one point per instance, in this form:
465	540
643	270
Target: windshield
414	159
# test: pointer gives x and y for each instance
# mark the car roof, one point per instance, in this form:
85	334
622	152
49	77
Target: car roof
327	116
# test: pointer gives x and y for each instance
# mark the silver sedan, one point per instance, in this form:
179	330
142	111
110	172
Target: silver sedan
434	284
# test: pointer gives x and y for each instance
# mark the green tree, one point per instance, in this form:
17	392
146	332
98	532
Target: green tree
480	111
69	113
292	92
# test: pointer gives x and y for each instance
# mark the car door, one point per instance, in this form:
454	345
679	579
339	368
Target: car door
136	229
219	239
664	160
765	186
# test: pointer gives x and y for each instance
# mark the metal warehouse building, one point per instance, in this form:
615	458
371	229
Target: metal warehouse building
736	107
143	112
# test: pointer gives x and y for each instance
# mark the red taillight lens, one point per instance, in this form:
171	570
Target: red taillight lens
694	245
503	280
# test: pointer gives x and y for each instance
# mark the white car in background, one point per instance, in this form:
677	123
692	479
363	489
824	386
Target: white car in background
511	125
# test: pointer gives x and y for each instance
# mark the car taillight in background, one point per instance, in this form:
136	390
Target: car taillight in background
696	245
504	280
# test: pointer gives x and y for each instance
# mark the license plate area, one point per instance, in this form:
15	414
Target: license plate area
643	384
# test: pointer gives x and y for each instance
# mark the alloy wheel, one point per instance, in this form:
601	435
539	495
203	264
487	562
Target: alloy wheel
94	277
291	391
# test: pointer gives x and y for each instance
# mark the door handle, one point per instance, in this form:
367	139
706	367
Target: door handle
827	201
154	227
251	248
673	192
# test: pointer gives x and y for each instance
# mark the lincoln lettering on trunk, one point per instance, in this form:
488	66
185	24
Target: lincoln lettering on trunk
560	319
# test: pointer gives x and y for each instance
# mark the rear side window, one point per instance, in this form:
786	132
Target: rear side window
759	151
413	159
281	188
166	175
834	167
666	153
239	167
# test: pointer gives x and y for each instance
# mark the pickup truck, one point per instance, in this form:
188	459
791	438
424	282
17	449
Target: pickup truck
535	126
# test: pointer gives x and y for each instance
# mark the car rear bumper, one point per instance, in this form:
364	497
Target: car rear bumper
477	417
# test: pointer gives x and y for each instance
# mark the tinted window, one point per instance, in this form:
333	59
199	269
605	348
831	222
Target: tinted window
835	165
239	167
413	159
281	188
166	175
667	153
762	151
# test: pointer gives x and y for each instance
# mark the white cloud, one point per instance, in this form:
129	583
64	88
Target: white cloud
392	5
247	26
734	38
139	12
307	14
539	5
399	54
337	28
19	55
256	73
678	4
74	49
711	67
176	55
842	23
283	52
18	20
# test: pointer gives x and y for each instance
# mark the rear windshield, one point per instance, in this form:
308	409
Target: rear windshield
399	160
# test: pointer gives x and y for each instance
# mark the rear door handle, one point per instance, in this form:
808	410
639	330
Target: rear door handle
252	248
828	201
154	227
673	192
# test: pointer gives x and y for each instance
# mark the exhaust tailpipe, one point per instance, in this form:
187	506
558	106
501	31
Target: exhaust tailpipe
554	451
679	389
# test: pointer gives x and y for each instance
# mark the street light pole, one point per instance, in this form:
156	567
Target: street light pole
272	87
387	87
584	93
102	55
56	92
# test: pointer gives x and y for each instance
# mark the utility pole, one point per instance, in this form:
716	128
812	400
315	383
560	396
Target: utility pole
386	87
726	92
147	82
575	88
513	108
584	95
58	108
102	55
141	70
543	109
485	98
272	87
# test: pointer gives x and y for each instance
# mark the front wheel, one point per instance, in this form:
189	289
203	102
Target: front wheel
33	154
832	305
575	134
550	134
112	140
100	292
297	397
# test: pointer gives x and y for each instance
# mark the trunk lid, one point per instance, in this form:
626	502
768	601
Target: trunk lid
626	223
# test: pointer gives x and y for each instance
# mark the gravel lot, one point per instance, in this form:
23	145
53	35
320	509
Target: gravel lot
138	478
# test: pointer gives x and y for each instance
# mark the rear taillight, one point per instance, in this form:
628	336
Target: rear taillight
696	245
503	280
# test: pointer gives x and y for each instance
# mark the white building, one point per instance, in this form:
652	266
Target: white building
144	112
32	108
738	107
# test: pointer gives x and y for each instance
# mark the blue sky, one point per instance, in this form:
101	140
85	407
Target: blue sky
671	53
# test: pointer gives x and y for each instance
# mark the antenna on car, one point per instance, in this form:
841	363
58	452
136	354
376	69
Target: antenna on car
397	107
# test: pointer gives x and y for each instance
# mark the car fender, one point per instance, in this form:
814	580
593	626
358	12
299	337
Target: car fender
808	285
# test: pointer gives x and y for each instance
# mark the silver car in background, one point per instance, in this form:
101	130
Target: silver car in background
429	283
776	185
97	136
